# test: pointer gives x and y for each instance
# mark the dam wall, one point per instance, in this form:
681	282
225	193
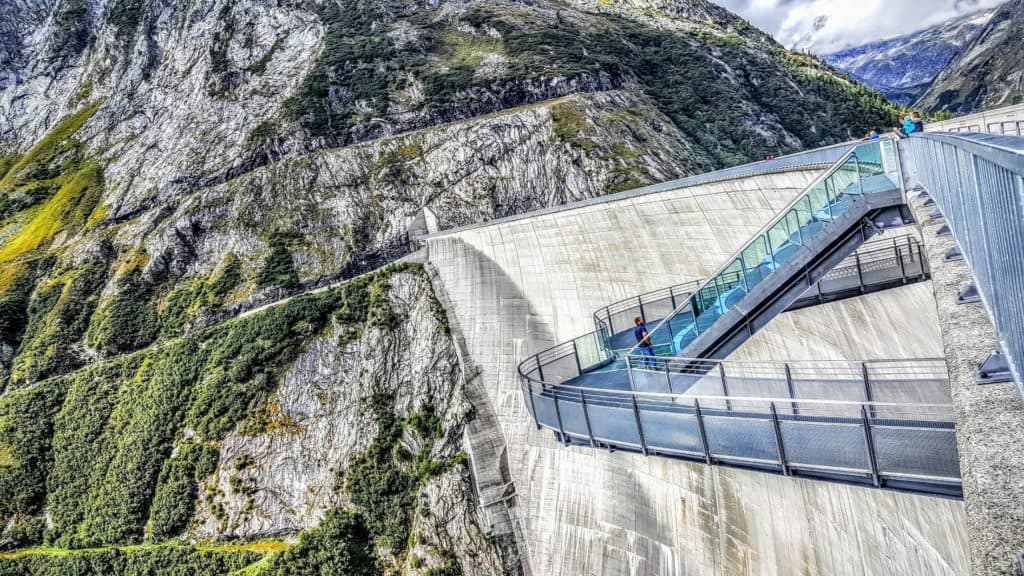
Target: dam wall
517	287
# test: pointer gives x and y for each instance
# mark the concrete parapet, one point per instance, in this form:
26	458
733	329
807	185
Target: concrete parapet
990	418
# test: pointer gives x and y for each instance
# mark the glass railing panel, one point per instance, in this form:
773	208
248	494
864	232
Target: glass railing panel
784	241
590	351
733	283
757	262
648	379
681	328
545	406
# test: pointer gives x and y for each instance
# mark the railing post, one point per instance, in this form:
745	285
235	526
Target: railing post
640	300
629	373
586	418
533	404
558	415
867	386
611	329
725	385
540	369
702	431
860	272
672	296
668	377
639	427
870	444
778	441
789	388
903	266
576	355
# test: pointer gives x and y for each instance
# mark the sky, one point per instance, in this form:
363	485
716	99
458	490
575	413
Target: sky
850	22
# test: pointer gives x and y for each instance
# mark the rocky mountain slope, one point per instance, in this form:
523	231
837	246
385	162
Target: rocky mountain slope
903	68
164	166
988	72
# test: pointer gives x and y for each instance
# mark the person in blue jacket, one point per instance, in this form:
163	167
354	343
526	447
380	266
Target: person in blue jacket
911	123
909	126
643	341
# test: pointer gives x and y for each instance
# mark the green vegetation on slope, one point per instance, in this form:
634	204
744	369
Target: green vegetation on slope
95	447
49	193
339	545
144	560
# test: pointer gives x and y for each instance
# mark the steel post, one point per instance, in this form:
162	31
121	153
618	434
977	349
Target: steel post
558	415
533	404
576	355
702	431
725	385
866	378
586	418
860	272
789	388
639	426
778	440
870	444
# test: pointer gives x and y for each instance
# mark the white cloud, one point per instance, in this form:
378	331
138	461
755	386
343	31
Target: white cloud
850	22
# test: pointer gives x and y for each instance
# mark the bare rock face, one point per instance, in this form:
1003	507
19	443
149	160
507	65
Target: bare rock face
987	72
361	199
283	478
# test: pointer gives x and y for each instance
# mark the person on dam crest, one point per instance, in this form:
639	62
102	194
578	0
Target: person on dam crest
644	346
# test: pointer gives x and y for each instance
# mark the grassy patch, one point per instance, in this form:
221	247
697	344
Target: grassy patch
143	560
569	122
57	142
339	545
67	212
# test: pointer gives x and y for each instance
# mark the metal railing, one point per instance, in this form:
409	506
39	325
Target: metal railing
882	423
977	181
1008	120
729	415
877	265
868	168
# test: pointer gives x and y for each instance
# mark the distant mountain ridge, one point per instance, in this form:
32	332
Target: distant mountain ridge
903	68
988	72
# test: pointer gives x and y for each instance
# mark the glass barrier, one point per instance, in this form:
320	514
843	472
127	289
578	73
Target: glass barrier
867	169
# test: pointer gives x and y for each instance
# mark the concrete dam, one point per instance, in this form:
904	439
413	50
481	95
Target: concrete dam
800	413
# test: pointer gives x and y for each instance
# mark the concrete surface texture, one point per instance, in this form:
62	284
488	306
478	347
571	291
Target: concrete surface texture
897	323
990	419
517	288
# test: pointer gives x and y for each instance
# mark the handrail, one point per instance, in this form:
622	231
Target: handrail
816	418
865	251
781	216
909	263
980	193
723	399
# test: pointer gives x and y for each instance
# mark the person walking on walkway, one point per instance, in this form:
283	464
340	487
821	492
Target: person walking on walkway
644	346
